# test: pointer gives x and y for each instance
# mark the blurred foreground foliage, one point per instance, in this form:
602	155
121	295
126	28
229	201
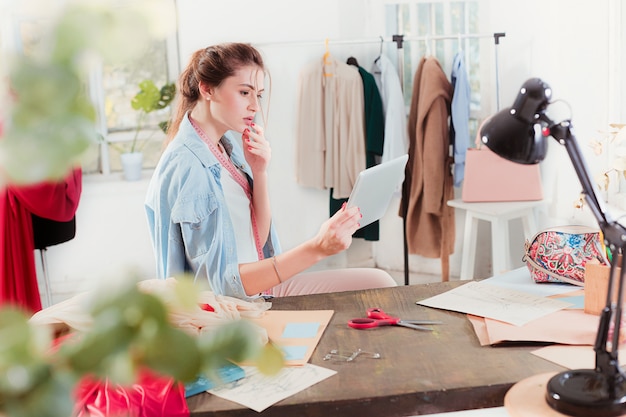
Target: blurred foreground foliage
47	119
130	332
46	123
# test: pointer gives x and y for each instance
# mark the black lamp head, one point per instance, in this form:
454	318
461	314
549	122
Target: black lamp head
518	133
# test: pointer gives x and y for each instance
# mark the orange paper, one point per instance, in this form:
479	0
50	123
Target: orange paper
574	357
568	327
275	322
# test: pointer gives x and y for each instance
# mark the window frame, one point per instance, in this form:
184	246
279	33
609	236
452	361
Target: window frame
97	95
444	41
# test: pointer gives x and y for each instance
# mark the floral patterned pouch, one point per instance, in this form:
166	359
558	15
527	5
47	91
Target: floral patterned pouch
559	254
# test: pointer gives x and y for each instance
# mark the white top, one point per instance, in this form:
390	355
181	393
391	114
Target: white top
396	134
239	209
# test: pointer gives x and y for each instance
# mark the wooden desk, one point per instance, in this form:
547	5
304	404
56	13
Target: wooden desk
419	372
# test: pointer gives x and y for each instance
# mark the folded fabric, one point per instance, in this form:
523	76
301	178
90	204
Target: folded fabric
73	313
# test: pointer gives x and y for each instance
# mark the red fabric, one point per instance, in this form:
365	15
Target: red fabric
150	396
56	201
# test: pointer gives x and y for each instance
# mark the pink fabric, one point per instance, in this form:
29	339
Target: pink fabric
335	280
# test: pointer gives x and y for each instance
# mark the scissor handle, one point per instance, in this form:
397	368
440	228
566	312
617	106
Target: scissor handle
378	314
368	323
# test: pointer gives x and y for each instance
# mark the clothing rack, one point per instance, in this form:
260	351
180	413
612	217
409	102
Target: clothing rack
399	40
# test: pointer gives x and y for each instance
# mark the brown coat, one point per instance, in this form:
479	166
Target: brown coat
428	183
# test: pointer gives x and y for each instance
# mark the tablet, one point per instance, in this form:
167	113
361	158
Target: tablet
374	188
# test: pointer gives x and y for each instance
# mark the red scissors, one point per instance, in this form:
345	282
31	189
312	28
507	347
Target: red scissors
377	317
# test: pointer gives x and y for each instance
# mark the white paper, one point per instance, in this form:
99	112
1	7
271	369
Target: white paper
498	303
258	391
519	279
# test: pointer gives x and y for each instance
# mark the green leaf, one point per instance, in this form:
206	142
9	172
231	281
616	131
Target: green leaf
51	398
147	98
52	122
234	341
174	353
164	126
271	360
168	92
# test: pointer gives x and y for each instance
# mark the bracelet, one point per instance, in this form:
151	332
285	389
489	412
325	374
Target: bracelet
276	269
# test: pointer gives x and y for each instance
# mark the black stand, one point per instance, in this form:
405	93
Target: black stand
599	392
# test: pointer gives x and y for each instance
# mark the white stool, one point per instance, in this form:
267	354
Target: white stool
498	214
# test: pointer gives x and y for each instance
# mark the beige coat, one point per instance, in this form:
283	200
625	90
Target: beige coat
331	129
428	184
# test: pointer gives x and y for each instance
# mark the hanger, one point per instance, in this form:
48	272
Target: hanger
427	41
327	60
352	61
327	53
381	49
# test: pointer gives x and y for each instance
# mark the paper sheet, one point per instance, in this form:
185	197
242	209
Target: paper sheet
571	327
297	332
258	391
520	280
574	357
498	303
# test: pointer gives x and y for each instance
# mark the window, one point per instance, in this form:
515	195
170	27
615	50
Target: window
112	90
443	28
111	87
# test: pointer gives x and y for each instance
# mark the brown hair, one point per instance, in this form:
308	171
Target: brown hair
211	65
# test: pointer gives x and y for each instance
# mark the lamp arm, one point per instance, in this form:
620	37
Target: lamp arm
563	134
615	235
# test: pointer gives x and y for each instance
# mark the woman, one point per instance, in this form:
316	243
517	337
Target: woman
207	215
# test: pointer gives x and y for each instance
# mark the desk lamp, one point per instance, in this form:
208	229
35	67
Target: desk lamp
519	133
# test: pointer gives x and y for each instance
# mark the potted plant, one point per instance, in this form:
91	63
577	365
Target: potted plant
149	98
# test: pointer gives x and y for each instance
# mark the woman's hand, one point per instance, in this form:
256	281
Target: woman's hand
335	234
256	149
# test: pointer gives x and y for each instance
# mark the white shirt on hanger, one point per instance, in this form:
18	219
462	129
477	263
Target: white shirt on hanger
388	82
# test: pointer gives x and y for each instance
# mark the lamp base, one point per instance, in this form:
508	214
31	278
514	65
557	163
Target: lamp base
527	398
587	393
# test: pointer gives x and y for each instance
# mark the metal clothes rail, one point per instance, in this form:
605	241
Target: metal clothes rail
399	41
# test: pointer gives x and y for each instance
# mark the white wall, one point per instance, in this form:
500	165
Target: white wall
543	39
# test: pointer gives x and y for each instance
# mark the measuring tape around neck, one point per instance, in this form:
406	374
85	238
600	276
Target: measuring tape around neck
225	161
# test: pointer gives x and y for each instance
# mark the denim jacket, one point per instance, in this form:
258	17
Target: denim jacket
189	222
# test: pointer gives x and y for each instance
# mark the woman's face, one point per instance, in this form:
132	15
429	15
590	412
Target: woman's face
234	103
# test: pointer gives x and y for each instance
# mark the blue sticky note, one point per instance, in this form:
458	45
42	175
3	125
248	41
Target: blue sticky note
300	330
578	301
293	353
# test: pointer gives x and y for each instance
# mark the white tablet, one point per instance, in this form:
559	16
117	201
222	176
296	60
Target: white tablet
374	188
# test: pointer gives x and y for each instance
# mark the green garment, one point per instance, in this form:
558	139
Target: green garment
374	141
